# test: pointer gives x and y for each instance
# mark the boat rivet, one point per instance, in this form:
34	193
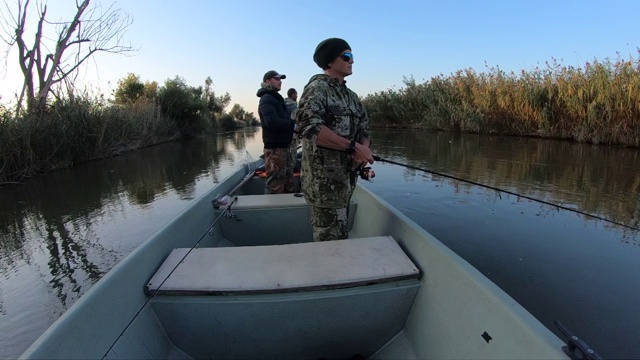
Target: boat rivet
590	351
574	337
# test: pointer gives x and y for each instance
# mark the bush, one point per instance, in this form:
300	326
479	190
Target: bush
226	122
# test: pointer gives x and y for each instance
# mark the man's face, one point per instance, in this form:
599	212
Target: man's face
294	96
275	82
343	63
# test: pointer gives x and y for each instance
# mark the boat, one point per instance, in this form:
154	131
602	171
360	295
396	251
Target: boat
237	276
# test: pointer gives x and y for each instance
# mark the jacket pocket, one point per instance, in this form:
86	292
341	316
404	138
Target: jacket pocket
342	119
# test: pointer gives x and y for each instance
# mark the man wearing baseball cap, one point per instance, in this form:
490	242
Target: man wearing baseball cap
277	132
335	140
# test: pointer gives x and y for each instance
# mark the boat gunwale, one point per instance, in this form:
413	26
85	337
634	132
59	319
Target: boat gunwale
134	259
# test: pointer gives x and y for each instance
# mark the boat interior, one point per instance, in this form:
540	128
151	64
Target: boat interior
239	277
257	286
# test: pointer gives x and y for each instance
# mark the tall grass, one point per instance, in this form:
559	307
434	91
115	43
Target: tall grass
76	130
597	103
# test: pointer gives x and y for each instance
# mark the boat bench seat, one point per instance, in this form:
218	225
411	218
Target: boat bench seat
282	268
267	201
259	213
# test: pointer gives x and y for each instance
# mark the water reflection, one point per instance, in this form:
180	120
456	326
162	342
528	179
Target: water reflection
599	180
141	176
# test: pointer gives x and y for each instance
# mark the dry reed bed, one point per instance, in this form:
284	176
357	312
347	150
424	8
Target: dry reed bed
598	103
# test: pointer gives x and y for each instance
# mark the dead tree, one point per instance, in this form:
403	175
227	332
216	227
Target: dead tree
54	58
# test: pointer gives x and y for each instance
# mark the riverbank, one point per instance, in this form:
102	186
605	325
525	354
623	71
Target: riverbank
595	104
76	128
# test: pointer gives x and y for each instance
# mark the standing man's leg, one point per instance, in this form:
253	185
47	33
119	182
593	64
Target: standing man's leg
290	185
329	224
275	165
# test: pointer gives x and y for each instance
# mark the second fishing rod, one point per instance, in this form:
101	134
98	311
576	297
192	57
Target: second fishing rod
380	159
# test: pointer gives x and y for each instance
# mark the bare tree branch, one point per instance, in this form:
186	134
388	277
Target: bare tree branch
91	30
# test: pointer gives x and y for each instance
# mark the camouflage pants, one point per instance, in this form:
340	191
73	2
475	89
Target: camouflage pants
329	224
278	165
293	148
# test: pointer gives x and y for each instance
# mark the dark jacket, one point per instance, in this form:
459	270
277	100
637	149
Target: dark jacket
275	119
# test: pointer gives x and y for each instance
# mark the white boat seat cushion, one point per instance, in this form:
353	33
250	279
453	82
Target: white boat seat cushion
283	268
267	201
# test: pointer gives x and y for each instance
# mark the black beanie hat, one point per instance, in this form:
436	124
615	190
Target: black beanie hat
328	50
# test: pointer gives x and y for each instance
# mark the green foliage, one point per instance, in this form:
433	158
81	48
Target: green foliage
215	105
129	90
241	115
227	122
194	109
184	104
599	103
78	128
151	90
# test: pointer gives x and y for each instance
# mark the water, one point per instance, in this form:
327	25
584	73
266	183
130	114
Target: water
59	233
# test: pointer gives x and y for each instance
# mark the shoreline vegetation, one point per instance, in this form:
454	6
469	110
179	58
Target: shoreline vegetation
598	103
79	127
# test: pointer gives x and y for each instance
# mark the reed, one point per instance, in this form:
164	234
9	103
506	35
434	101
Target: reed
76	130
598	103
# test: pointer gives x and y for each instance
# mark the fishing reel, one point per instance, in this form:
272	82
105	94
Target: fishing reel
365	173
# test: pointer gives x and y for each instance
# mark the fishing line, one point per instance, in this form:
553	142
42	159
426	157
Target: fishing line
227	209
377	158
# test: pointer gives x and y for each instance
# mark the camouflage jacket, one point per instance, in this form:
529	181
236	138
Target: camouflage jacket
291	106
327	177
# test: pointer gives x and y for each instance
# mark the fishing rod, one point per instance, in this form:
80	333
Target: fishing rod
226	212
227	201
378	158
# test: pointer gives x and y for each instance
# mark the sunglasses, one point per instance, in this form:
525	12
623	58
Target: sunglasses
346	56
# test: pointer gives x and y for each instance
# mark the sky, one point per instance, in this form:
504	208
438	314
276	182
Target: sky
236	41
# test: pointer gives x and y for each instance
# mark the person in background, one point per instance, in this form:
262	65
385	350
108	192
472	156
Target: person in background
277	132
335	132
292	106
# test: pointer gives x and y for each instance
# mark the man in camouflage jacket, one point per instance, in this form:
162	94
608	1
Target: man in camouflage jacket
335	140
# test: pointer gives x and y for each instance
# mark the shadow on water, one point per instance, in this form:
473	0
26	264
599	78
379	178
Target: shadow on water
61	228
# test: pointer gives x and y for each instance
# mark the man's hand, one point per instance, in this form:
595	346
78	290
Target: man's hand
362	155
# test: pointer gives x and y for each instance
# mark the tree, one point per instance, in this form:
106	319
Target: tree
129	90
151	90
184	104
215	104
237	112
59	48
240	114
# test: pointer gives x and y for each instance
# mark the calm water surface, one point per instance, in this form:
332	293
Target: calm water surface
61	232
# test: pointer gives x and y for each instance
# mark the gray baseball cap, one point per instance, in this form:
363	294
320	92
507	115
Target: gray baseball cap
273	74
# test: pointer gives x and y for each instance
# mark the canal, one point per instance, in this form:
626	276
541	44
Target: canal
61	232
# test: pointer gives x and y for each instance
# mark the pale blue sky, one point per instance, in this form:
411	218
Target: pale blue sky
236	42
